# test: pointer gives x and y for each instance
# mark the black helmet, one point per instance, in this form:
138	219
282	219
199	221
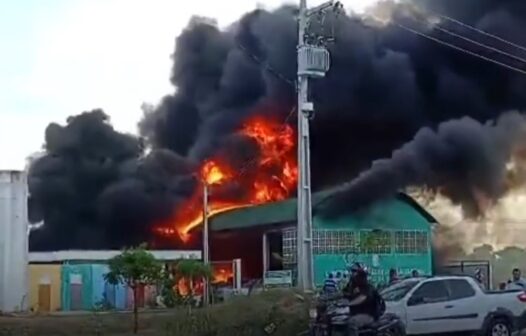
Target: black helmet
357	268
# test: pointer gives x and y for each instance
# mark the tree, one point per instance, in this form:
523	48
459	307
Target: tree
192	271
135	268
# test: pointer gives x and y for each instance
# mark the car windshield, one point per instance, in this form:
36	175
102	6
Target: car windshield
399	290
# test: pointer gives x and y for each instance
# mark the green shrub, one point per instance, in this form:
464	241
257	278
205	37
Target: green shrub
276	312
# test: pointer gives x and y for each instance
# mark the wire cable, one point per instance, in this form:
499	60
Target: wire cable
465	25
436	26
278	75
414	31
265	65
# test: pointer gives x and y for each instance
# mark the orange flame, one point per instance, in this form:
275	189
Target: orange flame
223	273
213	173
271	177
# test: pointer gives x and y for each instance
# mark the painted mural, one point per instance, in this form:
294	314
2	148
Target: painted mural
378	270
379	276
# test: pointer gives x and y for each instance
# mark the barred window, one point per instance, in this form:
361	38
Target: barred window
289	246
324	242
375	242
333	241
411	242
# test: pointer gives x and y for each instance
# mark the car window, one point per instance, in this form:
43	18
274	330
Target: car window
398	291
459	289
430	292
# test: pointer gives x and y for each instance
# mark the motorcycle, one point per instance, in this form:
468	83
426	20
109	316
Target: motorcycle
331	317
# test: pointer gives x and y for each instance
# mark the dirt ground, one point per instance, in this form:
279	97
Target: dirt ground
93	324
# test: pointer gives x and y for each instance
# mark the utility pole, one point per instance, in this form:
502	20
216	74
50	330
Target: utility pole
304	229
206	253
313	62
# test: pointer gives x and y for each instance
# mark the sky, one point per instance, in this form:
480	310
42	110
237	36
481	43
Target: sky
62	57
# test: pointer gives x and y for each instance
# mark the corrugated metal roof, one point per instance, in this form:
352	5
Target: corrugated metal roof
81	255
265	214
285	211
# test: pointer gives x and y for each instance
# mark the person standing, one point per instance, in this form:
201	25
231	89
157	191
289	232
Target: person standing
393	277
479	277
517	281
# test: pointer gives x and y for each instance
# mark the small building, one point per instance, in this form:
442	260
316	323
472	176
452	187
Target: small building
45	284
264	237
74	280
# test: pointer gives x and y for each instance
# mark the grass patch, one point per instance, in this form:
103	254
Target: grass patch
270	313
277	312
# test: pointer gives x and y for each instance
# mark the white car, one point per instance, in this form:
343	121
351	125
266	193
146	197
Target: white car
450	304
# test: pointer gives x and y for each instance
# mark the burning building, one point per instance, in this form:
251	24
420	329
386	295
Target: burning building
264	237
271	176
435	112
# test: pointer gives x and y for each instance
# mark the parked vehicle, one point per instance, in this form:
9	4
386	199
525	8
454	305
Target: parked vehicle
450	304
331	316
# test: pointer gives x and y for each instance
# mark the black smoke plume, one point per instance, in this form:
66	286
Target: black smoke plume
463	159
385	84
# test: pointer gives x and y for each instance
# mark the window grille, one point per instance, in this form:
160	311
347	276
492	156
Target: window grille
289	246
324	242
411	242
333	242
375	242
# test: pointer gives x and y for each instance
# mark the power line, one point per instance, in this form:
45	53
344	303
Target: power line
265	65
278	75
244	169
482	32
475	42
460	48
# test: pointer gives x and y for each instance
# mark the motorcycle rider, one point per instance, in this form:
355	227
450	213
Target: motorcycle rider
366	304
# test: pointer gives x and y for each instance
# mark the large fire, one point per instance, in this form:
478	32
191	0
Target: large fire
271	176
223	273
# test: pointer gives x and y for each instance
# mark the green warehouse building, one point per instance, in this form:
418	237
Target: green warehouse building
394	233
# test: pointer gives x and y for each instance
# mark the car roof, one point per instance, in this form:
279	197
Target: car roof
406	281
435	277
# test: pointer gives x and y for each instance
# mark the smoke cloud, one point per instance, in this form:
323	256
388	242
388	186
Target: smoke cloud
96	187
463	159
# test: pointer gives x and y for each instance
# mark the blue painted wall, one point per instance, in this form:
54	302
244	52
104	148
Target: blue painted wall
94	287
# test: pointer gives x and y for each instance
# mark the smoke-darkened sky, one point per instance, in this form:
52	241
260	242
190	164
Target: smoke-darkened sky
99	188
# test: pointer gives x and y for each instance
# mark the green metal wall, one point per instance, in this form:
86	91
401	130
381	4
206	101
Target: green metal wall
397	220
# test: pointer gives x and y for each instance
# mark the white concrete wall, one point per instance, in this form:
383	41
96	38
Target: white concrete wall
13	241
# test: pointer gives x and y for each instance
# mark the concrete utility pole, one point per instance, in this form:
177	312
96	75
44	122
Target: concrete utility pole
313	61
206	253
